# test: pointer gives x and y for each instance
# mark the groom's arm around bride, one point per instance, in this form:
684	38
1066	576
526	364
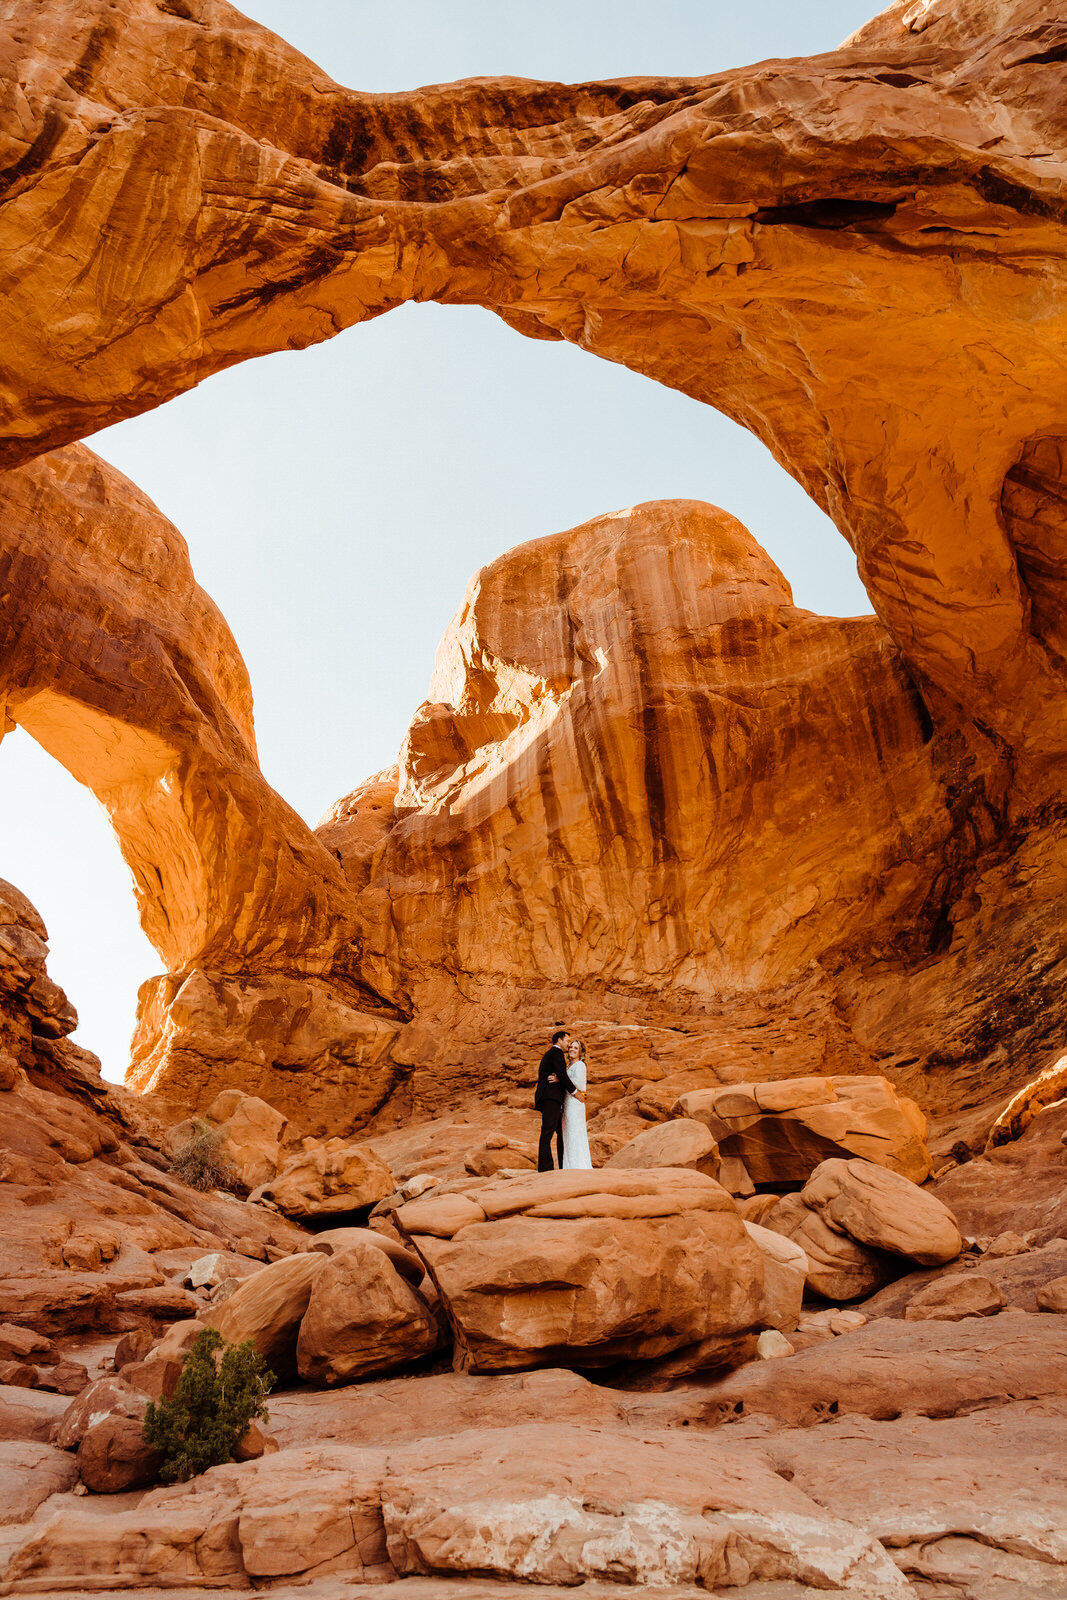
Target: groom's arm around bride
553	1083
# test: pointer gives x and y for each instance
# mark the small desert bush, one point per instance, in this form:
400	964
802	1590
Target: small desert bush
200	1163
221	1390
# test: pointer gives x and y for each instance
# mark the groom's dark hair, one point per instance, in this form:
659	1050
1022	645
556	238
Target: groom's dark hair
560	1033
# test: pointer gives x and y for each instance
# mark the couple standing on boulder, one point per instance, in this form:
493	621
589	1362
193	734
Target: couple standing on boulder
560	1098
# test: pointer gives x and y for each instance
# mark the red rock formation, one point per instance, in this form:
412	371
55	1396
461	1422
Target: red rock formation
677	801
115	660
850	254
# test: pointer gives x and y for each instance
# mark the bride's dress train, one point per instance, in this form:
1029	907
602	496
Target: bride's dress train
575	1138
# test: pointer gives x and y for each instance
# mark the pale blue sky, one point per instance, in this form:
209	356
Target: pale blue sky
336	500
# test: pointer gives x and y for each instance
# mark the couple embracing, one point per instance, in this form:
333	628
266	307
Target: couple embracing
560	1098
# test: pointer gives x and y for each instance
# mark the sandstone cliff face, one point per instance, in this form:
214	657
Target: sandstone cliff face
649	794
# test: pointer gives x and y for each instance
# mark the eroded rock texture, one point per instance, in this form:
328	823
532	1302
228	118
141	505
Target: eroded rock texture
646	788
115	660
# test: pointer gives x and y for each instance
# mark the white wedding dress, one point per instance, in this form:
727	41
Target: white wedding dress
575	1139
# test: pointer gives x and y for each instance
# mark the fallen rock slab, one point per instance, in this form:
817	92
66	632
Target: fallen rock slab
29	1474
889	1367
957	1295
884	1211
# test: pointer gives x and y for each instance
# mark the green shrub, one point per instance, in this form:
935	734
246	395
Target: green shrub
221	1390
199	1162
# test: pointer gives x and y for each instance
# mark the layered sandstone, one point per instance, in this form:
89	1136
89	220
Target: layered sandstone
114	659
185	191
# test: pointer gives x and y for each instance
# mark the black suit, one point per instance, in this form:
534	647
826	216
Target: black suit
553	1085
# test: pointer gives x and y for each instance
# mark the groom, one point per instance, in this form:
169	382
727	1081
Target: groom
552	1084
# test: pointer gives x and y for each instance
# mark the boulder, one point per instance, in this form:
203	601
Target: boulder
363	1318
18	1375
595	1269
1053	1296
955	1296
63	1377
29	1473
883	1210
100	1399
785	1271
113	1457
166	1301
268	1309
207	1272
406	1262
772	1346
783	1130
682	1142
838	1267
104	1425
30	1414
22	1344
320	1181
252	1135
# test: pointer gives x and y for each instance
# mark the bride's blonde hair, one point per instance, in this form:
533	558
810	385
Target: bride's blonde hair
581	1048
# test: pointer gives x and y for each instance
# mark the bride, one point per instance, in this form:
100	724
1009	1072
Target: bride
575	1139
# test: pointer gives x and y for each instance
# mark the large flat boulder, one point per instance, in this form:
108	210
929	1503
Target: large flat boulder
591	1270
362	1319
783	1130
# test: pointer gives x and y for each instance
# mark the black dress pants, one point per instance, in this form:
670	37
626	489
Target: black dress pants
551	1124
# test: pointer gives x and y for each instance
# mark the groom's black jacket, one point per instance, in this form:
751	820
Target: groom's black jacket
552	1080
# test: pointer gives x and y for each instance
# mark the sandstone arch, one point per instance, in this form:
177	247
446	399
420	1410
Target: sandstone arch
857	256
811	246
117	662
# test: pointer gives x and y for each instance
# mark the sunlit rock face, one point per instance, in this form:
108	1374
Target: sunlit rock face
649	793
858	256
115	660
641	766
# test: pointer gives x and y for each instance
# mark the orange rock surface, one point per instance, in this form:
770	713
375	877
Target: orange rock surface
854	255
646	792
